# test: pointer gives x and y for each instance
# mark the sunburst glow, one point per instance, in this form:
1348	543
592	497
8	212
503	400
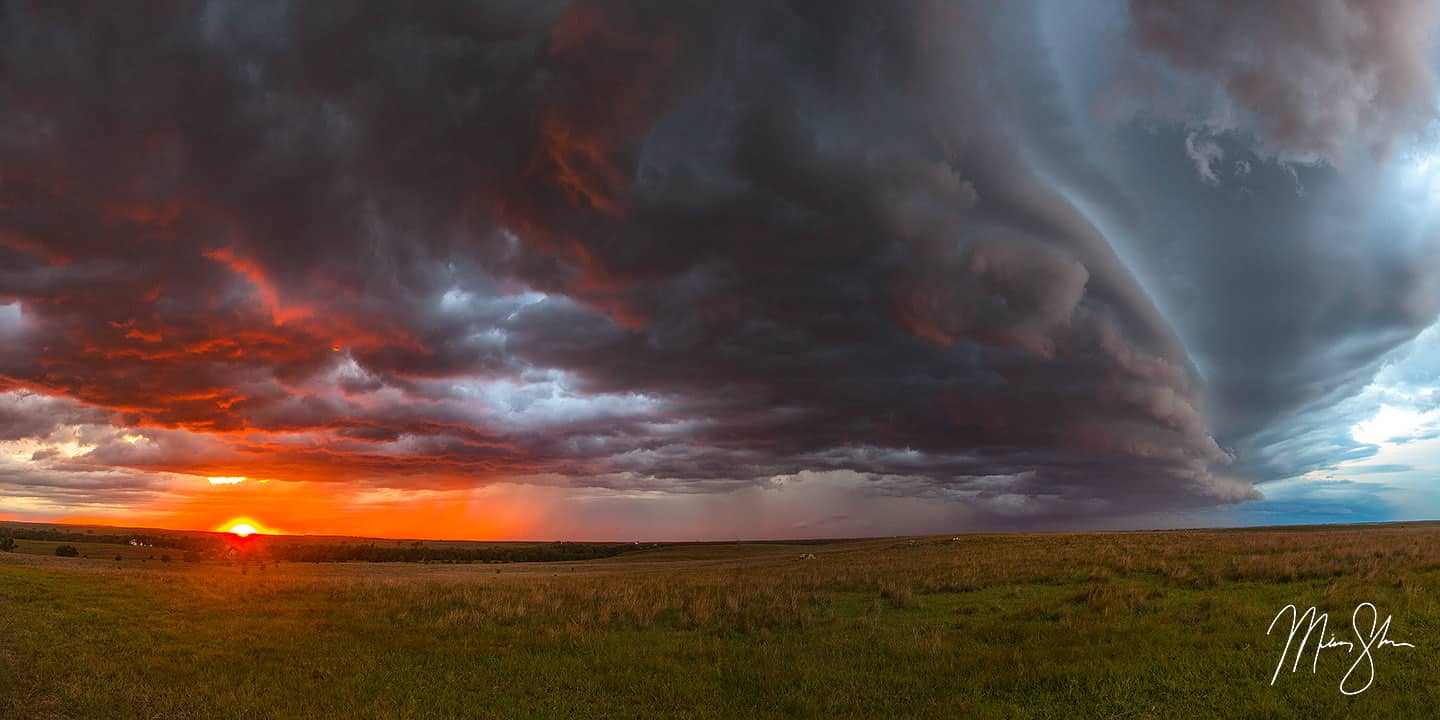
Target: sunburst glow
244	527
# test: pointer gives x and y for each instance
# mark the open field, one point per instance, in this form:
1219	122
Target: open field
1146	625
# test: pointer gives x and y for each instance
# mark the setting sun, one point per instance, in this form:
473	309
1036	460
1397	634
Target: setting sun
244	527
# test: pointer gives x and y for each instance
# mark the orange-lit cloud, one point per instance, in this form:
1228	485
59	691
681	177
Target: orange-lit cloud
264	288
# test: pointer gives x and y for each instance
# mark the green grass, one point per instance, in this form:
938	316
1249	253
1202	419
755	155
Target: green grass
1142	625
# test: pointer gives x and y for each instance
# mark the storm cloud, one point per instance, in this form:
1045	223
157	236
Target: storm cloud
696	249
1313	80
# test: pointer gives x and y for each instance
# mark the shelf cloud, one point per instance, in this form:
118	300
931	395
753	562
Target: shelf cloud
938	253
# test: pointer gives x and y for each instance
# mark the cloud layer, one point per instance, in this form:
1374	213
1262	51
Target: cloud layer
678	248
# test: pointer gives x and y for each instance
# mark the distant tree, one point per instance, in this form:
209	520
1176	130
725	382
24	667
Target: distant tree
7	541
118	558
165	558
67	551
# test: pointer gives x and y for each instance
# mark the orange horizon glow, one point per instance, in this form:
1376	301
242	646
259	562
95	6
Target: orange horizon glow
501	512
396	531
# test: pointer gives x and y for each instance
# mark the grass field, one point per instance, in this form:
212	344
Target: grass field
1144	625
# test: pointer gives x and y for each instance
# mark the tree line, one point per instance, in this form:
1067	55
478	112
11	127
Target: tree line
420	552
9	535
200	547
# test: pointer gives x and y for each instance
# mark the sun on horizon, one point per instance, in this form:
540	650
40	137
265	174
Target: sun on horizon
244	527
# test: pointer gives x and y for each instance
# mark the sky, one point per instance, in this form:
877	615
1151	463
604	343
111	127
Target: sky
681	270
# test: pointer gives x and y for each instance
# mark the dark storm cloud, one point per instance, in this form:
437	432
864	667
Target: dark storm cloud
1289	304
1284	231
1313	79
670	246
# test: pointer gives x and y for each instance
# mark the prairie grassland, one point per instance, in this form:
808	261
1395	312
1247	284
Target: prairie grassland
1158	624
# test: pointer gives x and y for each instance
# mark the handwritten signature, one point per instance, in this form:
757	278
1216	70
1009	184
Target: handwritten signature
1311	619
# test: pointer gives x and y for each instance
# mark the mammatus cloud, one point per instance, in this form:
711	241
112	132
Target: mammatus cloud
1313	81
671	249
